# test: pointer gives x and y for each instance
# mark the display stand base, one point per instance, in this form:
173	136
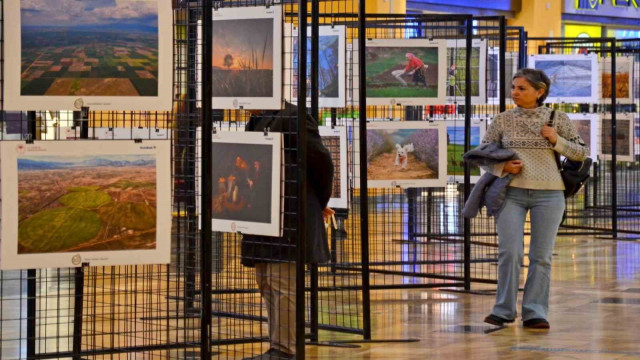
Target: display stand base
374	341
332	344
625	237
474	292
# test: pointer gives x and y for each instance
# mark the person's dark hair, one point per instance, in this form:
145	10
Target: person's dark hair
538	79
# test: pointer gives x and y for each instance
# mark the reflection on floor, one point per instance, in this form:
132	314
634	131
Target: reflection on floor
595	307
594	312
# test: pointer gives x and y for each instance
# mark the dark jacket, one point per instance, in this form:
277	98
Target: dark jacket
262	249
490	190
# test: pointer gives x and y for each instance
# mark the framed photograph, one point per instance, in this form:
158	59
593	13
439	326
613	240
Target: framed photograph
145	133
624	78
14	125
335	140
247	58
353	73
120	133
406	71
104	54
103	133
636	78
456	63
493	69
636	137
331	65
68	133
406	154
65	203
246	177
455	148
574	78
588	126
624	137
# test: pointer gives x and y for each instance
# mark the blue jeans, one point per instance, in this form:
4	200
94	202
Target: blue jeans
546	207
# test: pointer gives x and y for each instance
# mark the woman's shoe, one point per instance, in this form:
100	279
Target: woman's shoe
497	320
536	324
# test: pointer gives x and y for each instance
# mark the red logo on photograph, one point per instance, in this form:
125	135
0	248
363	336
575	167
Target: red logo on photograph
21	149
233	226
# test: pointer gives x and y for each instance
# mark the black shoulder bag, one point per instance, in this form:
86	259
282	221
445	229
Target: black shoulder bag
574	173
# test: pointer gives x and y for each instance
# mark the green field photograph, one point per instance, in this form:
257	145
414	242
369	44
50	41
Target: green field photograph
89	48
456	80
402	72
86	203
455	149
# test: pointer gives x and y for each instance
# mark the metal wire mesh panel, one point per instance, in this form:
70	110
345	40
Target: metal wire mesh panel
606	204
417	235
398	256
157	311
338	303
244	318
119	311
503	59
628	52
588	211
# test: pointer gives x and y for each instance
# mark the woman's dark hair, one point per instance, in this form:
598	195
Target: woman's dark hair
538	79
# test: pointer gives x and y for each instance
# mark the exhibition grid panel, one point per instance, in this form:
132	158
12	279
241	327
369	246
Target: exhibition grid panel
119	182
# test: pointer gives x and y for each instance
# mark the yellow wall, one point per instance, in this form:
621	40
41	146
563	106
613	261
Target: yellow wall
540	18
580	30
386	6
351	6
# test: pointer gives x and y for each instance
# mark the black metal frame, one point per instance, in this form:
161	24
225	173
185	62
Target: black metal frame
187	315
598	206
415	205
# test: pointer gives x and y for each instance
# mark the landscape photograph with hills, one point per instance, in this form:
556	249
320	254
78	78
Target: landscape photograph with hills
86	203
89	48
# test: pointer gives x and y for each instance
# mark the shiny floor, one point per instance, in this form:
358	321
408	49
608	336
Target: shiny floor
595	309
594	314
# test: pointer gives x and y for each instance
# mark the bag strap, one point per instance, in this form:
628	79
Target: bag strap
552	118
550	123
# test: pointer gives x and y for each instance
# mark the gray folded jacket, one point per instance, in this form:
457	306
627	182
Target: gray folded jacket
490	190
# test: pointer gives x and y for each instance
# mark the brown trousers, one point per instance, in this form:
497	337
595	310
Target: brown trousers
277	284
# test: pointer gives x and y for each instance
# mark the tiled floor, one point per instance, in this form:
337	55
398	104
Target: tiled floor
595	314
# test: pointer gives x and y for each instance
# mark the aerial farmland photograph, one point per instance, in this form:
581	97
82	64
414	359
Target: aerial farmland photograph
89	48
86	203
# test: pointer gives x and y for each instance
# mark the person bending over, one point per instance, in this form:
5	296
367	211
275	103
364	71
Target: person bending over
416	68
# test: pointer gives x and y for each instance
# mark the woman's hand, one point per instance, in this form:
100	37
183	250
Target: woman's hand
513	166
550	134
327	212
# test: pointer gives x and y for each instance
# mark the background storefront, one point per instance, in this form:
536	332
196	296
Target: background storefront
601	18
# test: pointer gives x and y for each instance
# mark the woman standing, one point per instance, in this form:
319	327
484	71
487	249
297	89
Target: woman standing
537	188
